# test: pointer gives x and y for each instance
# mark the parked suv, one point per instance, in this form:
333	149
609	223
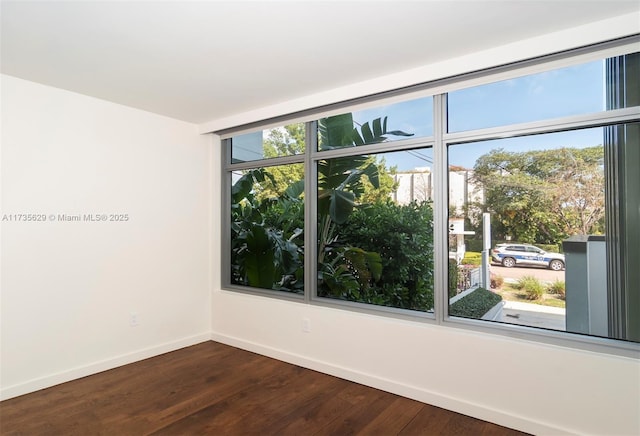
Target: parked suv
511	255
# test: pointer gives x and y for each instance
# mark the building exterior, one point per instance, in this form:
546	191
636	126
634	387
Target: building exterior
417	185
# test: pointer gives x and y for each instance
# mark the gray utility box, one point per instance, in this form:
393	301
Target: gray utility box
586	285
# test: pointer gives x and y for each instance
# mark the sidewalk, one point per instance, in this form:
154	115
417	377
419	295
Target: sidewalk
533	315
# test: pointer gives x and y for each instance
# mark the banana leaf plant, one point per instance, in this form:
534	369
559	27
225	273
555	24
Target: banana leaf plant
267	252
340	131
340	179
344	270
264	255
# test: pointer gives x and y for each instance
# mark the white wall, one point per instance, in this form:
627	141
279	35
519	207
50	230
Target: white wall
68	287
531	386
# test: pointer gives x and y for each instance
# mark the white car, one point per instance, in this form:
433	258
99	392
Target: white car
510	255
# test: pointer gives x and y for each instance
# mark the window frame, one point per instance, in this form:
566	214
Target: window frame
440	141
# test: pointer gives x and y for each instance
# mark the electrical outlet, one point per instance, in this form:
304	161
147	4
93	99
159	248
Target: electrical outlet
133	319
306	325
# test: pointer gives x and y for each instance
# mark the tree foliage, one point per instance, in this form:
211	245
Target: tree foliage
387	185
403	236
283	141
543	196
266	244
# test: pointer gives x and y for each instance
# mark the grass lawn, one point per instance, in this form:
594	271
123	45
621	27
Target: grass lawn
510	293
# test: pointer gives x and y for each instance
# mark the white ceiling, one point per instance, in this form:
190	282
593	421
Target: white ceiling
199	61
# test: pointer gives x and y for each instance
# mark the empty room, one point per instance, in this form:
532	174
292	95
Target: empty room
320	217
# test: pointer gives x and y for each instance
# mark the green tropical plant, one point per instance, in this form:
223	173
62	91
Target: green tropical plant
263	255
403	235
351	272
341	183
339	131
267	243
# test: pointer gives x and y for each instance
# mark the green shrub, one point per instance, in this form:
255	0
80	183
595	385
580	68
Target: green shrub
475	305
532	287
557	288
472	258
403	237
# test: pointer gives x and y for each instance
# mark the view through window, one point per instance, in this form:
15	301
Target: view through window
539	196
375	227
539	192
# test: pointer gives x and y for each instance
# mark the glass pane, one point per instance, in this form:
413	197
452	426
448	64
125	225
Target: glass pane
375	229
574	90
270	143
544	197
267	222
381	124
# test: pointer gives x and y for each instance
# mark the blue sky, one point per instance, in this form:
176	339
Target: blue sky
569	91
414	116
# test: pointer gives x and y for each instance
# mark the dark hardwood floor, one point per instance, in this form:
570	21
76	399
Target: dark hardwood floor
212	388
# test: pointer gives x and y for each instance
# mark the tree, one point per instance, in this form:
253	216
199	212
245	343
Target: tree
543	196
578	191
283	141
386	184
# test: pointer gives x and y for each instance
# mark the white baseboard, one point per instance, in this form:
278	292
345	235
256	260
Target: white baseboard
475	410
96	367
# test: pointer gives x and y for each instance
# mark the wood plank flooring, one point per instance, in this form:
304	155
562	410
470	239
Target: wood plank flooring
211	388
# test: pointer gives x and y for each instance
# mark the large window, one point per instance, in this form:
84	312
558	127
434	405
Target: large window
267	213
544	196
506	206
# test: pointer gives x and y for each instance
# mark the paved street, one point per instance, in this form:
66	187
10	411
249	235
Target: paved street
542	274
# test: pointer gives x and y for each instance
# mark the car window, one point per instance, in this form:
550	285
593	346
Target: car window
515	248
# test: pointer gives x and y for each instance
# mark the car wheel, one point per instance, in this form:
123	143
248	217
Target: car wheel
556	265
508	262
